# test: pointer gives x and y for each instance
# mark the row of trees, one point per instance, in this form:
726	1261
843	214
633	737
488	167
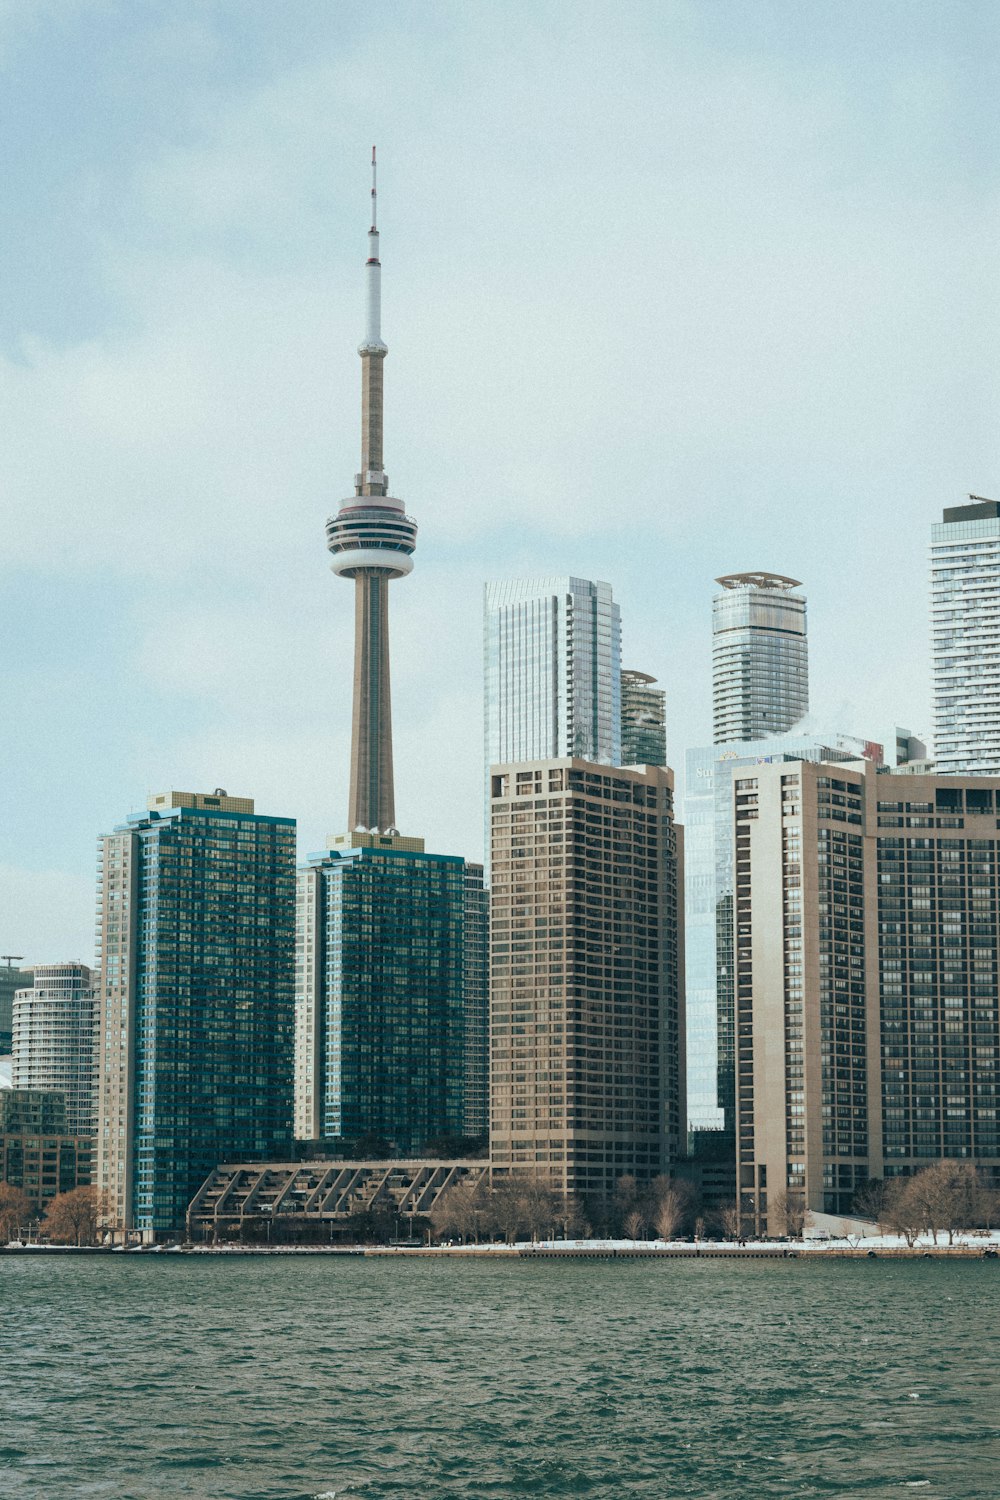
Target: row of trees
523	1208
69	1219
944	1198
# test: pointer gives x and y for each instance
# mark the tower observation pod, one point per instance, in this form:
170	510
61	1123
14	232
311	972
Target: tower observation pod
372	540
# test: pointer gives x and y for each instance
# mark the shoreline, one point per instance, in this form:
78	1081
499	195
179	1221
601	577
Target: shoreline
547	1251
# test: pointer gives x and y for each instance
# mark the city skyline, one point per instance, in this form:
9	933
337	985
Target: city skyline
168	380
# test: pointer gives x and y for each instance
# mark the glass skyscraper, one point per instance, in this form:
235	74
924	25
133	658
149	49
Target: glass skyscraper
760	657
552	671
965	638
197	914
644	731
389	939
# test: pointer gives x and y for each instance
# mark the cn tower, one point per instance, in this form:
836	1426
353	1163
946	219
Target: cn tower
372	540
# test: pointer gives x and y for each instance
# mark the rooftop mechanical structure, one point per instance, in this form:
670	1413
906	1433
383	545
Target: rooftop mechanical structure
372	540
776	581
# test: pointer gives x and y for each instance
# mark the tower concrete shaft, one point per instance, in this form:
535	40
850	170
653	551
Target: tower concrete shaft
371	802
372	541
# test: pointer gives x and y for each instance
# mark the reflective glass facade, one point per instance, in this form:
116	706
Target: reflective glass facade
965	639
552	670
197	909
644	732
760	659
382	1030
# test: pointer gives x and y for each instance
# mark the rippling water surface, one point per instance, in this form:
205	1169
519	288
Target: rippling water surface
286	1379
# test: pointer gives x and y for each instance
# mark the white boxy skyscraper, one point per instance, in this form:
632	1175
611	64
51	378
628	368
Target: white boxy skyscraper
552	671
965	638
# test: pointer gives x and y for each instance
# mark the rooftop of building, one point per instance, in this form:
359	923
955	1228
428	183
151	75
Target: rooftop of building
219	800
170	806
776	582
979	509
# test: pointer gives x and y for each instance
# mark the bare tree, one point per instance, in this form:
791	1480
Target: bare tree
902	1210
674	1204
789	1206
71	1218
445	1215
669	1213
950	1197
624	1201
571	1218
731	1221
989	1206
15	1210
460	1212
869	1199
538	1207
972	1201
635	1223
522	1207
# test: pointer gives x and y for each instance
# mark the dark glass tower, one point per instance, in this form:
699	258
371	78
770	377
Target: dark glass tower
386	1040
197	919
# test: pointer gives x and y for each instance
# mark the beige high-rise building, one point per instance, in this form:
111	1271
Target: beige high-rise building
867	1009
586	1017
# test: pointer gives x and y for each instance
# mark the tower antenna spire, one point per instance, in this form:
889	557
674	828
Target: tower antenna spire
374	194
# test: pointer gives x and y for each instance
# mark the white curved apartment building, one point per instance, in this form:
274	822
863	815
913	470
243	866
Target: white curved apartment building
55	1039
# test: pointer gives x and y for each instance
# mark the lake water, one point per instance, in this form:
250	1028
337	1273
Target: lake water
285	1379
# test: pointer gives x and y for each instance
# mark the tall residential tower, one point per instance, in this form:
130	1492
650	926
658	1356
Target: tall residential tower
587	974
965	643
868	1019
196	912
55	1040
644	731
760	657
552	671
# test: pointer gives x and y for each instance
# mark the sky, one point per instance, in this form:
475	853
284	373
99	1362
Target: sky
670	290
